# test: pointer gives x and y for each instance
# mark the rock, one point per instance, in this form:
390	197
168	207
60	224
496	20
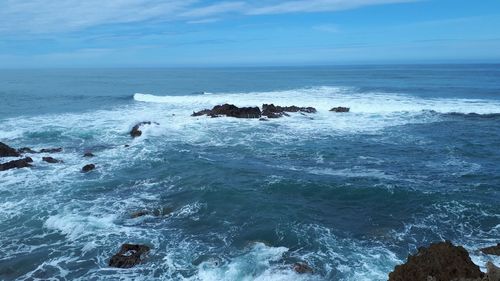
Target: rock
140	213
26	150
493	250
230	110
7	151
88	168
135	132
202	112
302	268
156	212
21	163
127	145
493	272
273	111
51	150
88	154
441	261
129	256
340	109
51	160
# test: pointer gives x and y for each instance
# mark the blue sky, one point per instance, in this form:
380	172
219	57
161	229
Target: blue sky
123	33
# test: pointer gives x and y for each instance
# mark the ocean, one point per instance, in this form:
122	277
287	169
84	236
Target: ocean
415	161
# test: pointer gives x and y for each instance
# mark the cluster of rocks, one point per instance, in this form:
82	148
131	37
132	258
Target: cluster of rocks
136	132
268	110
129	256
444	261
7	151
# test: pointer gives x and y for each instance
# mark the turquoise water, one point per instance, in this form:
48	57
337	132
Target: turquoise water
350	194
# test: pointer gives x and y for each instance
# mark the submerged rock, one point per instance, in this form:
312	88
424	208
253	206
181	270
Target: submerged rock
276	111
88	154
51	160
340	109
7	151
26	150
129	256
156	212
493	250
51	150
136	132
302	268
88	168
230	110
16	164
440	261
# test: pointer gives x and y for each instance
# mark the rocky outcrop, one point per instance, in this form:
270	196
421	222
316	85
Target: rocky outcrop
136	132
51	150
440	261
88	168
16	164
230	110
273	111
493	272
51	160
129	256
302	268
493	250
340	109
7	151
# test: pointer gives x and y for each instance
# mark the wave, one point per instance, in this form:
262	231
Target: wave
324	98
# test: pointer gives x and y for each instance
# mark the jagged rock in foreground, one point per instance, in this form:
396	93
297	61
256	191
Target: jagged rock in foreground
16	164
129	256
135	132
230	110
88	168
440	262
340	109
7	151
276	111
493	273
493	250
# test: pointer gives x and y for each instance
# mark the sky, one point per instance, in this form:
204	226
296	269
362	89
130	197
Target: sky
199	33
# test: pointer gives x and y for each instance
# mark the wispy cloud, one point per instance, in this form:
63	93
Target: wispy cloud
330	28
41	16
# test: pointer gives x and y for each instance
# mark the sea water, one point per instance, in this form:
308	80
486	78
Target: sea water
416	160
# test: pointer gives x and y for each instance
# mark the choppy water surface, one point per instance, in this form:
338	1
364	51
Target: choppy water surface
350	194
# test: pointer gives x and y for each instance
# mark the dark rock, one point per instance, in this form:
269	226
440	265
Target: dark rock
16	164
276	111
129	256
302	268
440	261
7	151
127	145
140	213
88	168
135	132
51	150
26	150
493	250
340	109
156	212
202	112
51	160
230	110
88	154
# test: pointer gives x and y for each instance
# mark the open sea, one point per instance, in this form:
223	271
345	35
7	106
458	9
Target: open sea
417	160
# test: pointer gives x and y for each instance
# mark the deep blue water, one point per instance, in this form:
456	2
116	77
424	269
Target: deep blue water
415	161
